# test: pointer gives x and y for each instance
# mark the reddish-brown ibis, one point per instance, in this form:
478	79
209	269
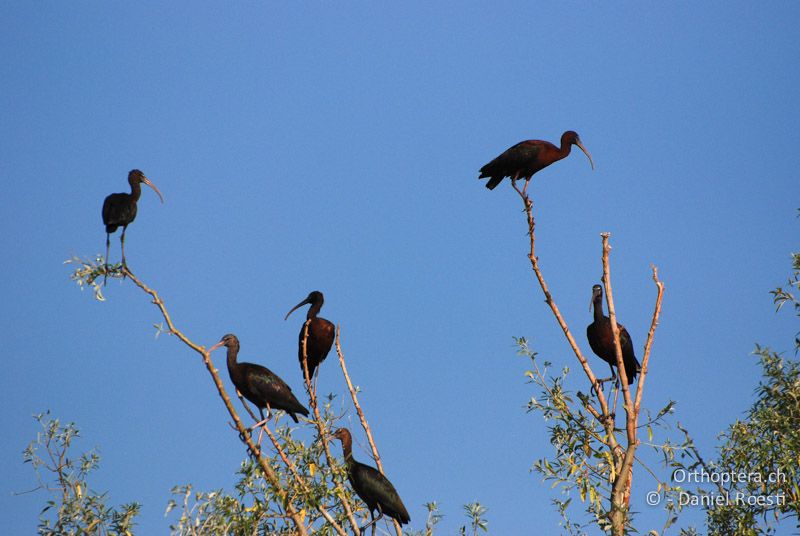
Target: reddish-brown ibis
258	384
369	484
321	333
119	210
527	157
601	339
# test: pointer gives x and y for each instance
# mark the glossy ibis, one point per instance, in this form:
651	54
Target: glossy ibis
369	484
601	339
119	210
258	384
320	333
527	157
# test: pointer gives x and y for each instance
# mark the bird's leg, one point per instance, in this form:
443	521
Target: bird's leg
374	520
108	245
525	188
614	376
263	420
122	245
261	423
600	381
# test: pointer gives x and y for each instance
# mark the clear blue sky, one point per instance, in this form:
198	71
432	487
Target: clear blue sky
335	146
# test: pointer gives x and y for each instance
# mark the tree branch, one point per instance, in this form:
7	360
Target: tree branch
376	456
244	433
608	420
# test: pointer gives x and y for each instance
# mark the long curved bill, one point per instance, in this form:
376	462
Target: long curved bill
153	186
296	307
579	144
220	343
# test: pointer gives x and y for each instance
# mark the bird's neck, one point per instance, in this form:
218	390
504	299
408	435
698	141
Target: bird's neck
313	311
233	352
564	150
598	309
347	449
136	190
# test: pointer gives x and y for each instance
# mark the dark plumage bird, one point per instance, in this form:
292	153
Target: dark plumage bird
369	484
601	339
527	157
119	210
258	384
320	333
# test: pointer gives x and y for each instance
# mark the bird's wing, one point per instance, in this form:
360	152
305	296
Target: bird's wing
115	208
118	209
264	381
373	487
624	337
323	332
512	160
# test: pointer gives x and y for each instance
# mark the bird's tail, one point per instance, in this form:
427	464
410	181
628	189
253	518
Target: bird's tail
299	408
493	182
632	369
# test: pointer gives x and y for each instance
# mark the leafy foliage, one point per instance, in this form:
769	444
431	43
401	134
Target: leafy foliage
74	508
88	271
475	512
781	296
430	523
765	445
585	461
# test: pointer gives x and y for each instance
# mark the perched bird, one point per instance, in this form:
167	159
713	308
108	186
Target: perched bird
119	210
369	484
258	384
320	333
527	157
601	339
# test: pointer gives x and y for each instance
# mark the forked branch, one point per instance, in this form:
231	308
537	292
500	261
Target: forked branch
621	458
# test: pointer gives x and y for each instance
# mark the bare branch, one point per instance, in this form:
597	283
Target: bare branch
244	433
376	456
607	420
649	343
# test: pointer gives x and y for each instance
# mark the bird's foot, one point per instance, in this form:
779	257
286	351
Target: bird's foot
608	418
598	384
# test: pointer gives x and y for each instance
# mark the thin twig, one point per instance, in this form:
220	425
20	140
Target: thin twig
649	343
361	417
243	431
354	397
